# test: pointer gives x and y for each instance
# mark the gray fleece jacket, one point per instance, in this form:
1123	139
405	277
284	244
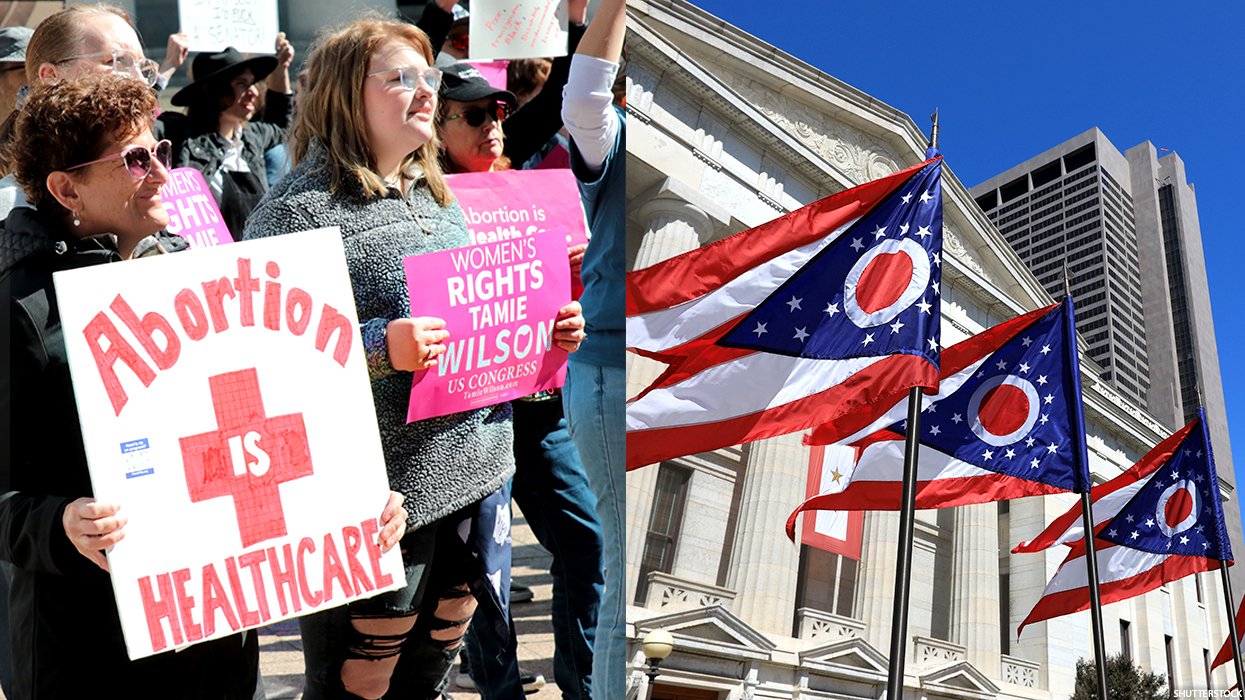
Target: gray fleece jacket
439	464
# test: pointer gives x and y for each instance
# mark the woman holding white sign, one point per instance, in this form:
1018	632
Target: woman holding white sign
86	158
92	171
365	157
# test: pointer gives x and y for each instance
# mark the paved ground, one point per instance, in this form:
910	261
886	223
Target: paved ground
281	656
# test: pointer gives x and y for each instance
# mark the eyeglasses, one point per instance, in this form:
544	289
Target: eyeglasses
461	41
475	116
137	158
121	62
411	77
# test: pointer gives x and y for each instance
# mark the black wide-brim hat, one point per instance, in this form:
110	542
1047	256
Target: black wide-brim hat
221	67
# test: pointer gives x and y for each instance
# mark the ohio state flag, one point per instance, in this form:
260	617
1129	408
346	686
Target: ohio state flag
827	314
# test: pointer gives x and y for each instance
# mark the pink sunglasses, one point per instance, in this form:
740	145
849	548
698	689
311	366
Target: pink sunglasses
137	158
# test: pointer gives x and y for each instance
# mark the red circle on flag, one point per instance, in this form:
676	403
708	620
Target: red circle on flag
1004	409
884	280
1178	507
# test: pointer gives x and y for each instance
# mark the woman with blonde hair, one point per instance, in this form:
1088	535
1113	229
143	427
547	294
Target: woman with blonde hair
365	153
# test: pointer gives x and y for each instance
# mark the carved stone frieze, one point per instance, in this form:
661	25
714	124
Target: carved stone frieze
954	245
852	151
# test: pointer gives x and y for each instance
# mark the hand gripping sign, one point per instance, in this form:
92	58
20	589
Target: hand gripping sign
225	405
500	302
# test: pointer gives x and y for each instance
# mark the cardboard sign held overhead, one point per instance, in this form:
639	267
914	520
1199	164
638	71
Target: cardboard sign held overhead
517	29
225	406
249	26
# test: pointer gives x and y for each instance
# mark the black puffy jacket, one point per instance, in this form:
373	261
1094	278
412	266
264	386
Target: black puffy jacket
66	636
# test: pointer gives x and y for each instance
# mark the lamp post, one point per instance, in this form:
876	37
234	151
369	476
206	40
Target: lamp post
657	645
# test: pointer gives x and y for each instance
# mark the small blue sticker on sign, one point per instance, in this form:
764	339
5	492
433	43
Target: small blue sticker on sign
137	458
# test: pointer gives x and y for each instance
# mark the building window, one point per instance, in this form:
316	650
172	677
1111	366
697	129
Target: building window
1197	585
1206	665
1126	642
1170	645
827	582
1005	613
663	524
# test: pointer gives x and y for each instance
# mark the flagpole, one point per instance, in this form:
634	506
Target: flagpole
1087	522
1236	642
903	567
1095	601
907	525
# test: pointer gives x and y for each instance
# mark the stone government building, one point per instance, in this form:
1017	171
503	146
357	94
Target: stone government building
727	132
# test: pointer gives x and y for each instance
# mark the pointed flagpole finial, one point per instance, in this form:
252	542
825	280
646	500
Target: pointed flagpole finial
1067	281
933	133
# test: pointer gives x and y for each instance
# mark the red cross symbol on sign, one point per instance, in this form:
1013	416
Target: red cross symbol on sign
247	457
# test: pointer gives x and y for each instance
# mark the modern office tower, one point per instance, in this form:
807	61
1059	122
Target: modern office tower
1070	213
1126	229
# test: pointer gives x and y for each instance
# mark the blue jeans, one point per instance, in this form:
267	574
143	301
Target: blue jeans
594	398
552	489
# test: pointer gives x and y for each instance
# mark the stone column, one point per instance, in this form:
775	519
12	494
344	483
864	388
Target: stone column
975	586
875	582
764	565
671	226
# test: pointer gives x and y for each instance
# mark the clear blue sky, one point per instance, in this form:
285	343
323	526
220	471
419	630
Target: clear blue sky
1013	79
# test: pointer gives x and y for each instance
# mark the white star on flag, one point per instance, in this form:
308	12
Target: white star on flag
832	309
896	326
800	335
760	329
795	303
857	244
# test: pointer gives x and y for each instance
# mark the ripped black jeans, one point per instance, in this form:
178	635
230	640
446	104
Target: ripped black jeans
450	565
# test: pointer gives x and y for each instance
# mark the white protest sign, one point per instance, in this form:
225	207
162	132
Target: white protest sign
517	29
225	406
249	26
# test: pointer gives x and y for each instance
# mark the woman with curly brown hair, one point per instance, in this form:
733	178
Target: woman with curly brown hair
92	171
86	158
365	153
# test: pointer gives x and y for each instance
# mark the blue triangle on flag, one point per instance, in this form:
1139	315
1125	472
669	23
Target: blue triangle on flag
873	292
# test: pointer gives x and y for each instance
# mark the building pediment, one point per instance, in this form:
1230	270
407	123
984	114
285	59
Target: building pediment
958	680
711	630
846	658
808	124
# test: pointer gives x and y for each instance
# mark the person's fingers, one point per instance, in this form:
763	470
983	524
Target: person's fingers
98	557
103	526
91	509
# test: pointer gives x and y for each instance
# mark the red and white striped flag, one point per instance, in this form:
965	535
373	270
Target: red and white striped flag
1171	527
829	313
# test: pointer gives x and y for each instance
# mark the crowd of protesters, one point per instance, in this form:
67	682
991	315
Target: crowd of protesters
383	109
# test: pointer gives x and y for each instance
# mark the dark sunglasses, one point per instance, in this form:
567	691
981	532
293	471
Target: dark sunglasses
137	159
474	116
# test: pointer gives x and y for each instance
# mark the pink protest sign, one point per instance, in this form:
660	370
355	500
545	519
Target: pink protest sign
193	213
515	203
493	71
499	301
